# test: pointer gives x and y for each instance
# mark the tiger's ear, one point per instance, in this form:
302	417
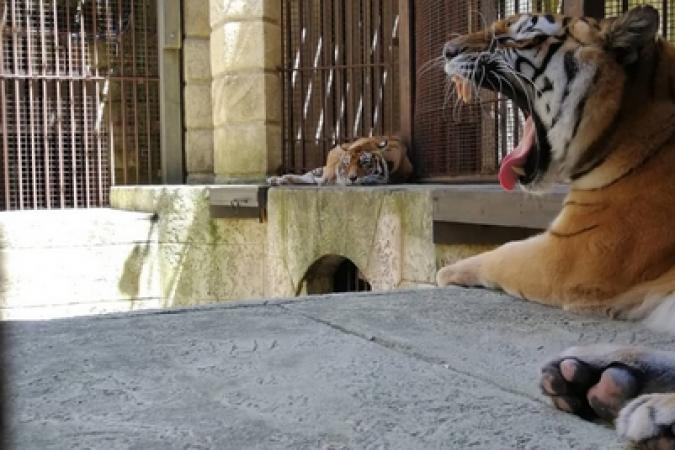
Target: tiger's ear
627	35
382	143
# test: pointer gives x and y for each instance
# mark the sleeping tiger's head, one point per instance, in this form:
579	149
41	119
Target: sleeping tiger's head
363	162
572	78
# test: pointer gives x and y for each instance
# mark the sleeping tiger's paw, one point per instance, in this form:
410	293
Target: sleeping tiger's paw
462	273
278	180
599	380
649	421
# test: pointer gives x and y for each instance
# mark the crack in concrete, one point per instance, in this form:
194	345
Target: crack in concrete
410	352
245	304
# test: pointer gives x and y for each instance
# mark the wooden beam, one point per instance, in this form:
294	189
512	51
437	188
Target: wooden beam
238	201
584	8
490	205
450	233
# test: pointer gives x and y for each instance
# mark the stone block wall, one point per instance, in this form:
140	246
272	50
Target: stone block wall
198	112
232	90
245	53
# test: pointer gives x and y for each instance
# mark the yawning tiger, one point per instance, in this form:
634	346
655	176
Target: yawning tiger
599	102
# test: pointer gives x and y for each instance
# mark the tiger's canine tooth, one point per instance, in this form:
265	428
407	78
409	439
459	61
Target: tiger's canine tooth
467	94
463	88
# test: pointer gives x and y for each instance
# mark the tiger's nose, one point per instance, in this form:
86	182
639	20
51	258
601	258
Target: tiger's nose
451	49
352	178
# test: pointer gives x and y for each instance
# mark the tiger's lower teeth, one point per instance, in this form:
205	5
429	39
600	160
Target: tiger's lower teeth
519	171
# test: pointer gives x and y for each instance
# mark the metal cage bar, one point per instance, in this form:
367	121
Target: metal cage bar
79	98
340	72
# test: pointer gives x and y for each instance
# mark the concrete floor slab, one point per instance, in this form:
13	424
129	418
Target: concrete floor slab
437	368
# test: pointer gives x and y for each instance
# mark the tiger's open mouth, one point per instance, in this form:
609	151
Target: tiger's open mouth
520	165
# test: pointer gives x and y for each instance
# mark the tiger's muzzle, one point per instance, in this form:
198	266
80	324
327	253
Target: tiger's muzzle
473	62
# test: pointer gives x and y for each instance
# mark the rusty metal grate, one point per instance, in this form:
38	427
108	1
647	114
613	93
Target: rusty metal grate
666	12
79	100
340	70
454	141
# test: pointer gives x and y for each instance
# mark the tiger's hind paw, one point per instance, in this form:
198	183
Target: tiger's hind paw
599	380
649	421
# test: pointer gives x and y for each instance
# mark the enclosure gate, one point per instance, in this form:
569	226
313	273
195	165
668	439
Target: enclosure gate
79	100
340	73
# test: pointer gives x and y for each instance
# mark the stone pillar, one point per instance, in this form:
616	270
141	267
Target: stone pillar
198	120
247	88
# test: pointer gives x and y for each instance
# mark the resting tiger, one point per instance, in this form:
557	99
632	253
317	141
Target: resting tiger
599	102
372	160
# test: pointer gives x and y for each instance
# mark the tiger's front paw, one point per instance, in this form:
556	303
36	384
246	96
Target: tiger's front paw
277	181
649	421
462	273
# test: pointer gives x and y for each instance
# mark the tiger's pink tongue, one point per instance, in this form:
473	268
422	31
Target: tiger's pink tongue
516	159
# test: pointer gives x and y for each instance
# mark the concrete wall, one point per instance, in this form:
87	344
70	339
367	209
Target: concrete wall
385	231
74	262
201	260
160	249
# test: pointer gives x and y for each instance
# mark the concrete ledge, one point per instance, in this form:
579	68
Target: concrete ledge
388	232
62	311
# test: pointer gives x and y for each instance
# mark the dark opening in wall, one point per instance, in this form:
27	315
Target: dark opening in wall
348	278
333	273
